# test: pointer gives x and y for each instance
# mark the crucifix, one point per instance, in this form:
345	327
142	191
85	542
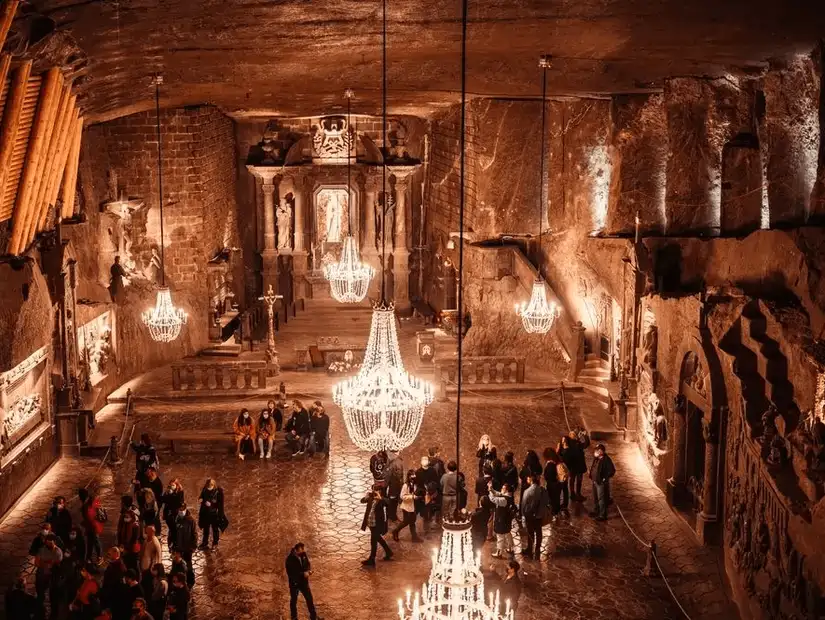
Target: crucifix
271	354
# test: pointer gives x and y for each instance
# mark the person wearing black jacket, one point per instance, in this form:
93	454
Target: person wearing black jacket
211	512
172	499
572	453
177	600
298	428
426	491
319	423
510	473
298	570
131	593
20	604
151	515
276	414
531	466
378	467
551	479
484	445
60	518
145	457
601	471
375	518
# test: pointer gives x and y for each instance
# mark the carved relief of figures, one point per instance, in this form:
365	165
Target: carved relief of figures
332	141
123	232
96	349
650	340
695	375
23	410
283	213
384	218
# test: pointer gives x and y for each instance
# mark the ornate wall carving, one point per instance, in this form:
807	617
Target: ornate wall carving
24	399
96	343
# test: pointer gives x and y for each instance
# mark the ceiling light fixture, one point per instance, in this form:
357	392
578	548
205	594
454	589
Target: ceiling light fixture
539	314
164	320
383	405
349	278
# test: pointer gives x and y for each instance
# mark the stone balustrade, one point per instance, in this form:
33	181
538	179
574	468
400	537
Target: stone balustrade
223	375
485	370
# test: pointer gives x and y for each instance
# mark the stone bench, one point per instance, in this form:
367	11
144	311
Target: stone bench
210	440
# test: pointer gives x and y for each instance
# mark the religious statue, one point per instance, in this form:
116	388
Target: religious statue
624	382
778	453
333	220
384	215
283	214
649	344
100	351
152	270
118	278
769	424
660	429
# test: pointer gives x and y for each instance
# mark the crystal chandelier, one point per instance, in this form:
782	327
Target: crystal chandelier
455	590
383	405
538	315
164	320
349	278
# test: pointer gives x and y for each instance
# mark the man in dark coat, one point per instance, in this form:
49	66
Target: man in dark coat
19	603
298	571
186	540
426	491
298	428
319	422
60	518
509	473
375	518
572	453
145	457
601	471
509	586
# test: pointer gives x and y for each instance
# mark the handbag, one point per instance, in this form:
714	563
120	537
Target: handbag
223	522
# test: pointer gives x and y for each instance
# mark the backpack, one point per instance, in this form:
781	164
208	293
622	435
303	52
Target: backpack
101	516
562	472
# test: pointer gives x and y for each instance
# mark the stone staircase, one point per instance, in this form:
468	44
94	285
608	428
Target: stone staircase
595	379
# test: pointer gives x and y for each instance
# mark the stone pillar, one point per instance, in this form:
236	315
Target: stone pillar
369	251
68	433
577	353
269	253
677	481
299	254
708	517
401	252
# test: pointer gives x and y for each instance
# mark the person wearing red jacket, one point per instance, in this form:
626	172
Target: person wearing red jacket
93	520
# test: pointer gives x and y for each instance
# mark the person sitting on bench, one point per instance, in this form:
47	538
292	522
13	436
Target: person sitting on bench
298	428
265	430
244	430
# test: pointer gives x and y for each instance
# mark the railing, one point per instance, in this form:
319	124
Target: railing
219	376
480	370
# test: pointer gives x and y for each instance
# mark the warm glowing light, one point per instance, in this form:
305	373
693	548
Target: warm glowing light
349	278
455	590
538	315
164	320
383	405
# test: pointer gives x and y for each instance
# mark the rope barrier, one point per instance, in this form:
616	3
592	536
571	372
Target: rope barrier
509	399
651	546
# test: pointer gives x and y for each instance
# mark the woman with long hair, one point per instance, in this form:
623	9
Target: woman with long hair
265	430
173	499
407	508
211	512
244	429
156	596
484	445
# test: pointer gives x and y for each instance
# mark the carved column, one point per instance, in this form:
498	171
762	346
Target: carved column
677	481
369	252
269	254
401	252
708	516
299	254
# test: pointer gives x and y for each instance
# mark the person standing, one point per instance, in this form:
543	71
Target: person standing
173	499
186	540
47	559
177	601
375	518
60	518
128	537
484	445
150	555
244	430
509	472
319	423
449	485
408	511
551	479
94	516
436	462
395	481
265	431
298	571
534	508
572	453
157	591
211	513
505	511
509	587
378	468
145	457
531	466
601	471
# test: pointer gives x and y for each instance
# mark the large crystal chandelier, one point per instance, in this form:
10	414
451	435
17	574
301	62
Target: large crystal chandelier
383	405
349	278
538	315
164	320
455	590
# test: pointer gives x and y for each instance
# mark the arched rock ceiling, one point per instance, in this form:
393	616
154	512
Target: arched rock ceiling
297	56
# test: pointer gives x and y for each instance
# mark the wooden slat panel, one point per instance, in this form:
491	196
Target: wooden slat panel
5	66
14	134
40	207
32	168
63	148
6	18
70	174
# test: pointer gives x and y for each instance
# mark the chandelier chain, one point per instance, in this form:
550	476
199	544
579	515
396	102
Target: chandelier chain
158	80
542	199
461	204
384	153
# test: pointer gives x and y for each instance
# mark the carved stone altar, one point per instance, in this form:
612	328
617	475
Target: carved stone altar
24	400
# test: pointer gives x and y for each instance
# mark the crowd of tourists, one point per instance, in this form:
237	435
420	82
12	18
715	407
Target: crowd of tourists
74	579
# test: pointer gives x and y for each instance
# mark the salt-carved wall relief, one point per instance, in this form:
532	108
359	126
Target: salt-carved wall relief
332	141
24	397
96	344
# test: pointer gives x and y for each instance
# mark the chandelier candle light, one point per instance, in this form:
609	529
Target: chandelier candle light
349	278
455	590
164	320
539	314
383	405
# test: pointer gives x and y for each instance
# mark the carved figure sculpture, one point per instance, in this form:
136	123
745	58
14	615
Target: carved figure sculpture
660	429
334	213
101	352
283	214
649	345
769	424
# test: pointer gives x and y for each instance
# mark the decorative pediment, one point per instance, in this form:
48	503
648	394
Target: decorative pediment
332	140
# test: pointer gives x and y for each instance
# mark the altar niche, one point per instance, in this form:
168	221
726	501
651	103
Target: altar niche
329	226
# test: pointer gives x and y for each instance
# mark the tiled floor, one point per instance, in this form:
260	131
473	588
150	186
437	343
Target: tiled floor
590	570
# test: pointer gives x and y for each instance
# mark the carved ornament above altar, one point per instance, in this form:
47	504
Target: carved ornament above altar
21	413
332	141
8	379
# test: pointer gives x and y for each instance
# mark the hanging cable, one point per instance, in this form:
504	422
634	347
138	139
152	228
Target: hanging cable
158	80
542	199
384	152
460	301
348	94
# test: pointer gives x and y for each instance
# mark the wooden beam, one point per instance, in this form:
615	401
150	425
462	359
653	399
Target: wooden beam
41	207
11	119
6	18
63	148
44	117
5	65
70	174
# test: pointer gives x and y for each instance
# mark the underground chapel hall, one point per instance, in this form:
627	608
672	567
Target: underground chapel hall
541	281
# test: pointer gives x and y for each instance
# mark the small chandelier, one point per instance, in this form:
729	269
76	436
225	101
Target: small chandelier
383	405
164	320
349	279
538	315
455	590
